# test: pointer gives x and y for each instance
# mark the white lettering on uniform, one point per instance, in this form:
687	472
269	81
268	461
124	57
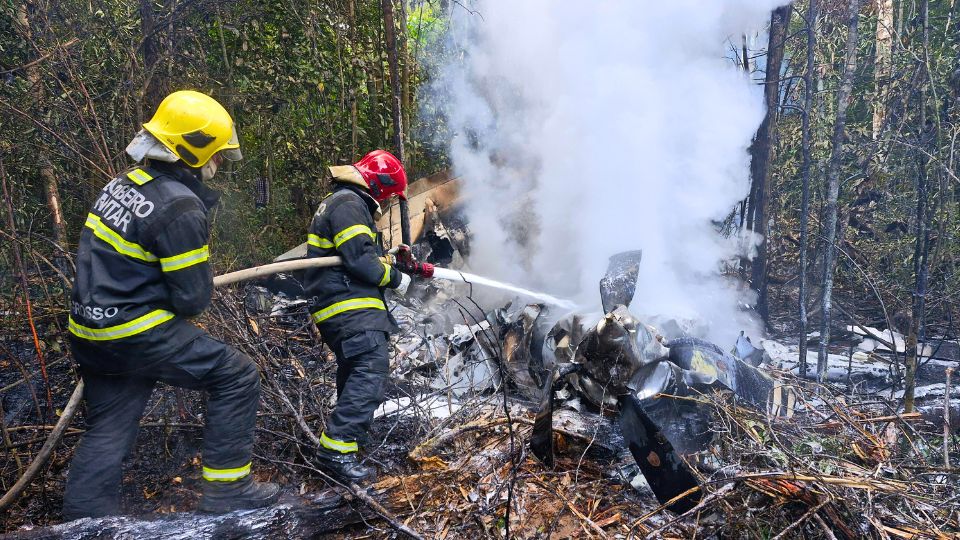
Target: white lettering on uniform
118	201
144	209
125	220
101	202
94	313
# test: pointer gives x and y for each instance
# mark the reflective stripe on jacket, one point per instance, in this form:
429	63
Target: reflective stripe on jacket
142	261
345	299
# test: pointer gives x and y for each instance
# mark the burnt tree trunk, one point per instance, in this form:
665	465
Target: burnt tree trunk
833	183
393	54
809	80
293	517
762	153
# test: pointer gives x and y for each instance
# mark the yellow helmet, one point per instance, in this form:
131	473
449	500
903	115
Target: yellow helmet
194	127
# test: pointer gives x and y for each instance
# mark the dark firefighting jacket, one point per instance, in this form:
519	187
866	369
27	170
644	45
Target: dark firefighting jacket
142	264
349	298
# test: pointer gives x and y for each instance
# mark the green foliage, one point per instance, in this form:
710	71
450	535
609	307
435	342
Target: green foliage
292	75
879	174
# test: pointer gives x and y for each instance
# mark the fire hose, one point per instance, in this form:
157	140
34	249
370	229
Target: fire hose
300	264
273	268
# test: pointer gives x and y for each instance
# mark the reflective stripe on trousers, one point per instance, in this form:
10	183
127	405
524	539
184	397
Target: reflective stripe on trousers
348	305
225	475
344	447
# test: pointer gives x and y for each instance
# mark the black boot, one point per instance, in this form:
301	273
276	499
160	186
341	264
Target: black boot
222	497
344	467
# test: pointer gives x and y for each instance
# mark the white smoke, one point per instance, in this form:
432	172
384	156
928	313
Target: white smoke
582	129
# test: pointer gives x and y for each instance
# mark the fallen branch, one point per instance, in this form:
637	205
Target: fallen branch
573	509
46	450
319	515
809	513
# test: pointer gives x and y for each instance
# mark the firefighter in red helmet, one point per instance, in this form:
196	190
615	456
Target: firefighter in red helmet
347	302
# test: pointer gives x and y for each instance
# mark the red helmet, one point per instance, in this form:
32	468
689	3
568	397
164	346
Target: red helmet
384	174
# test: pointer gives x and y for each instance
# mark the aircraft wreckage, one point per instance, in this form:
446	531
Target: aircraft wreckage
618	363
609	357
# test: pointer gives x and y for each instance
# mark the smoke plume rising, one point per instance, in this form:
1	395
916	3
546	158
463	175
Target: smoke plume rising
582	129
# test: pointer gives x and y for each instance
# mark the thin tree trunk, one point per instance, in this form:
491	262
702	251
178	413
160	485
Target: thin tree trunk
405	93
390	39
921	251
405	64
762	153
354	127
833	183
922	247
809	80
153	89
882	63
51	185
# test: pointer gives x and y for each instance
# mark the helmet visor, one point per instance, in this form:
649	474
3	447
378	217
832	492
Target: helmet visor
232	150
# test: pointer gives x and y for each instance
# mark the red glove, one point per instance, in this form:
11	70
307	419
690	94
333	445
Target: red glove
422	269
404	255
416	268
408	265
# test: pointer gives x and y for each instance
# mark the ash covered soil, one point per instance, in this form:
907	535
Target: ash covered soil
451	465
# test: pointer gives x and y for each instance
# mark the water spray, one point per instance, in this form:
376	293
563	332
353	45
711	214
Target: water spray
439	273
456	275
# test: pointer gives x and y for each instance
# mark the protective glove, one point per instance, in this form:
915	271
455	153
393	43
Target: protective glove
419	269
403	254
404	283
408	265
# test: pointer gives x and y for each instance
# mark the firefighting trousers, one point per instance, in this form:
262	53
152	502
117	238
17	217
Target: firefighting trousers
362	367
115	403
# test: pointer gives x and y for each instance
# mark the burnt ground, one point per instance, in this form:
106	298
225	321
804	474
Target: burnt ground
163	475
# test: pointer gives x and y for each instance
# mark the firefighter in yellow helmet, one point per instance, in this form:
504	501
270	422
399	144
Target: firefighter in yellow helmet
142	273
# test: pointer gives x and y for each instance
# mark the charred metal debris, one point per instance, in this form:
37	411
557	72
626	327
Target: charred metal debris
660	414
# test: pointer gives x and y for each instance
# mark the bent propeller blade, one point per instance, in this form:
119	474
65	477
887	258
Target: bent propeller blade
665	471
620	282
